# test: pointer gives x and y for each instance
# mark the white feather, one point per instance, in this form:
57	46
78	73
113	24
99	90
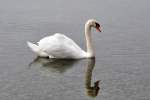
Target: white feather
60	46
35	48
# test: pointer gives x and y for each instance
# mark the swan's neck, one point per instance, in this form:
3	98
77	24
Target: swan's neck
90	49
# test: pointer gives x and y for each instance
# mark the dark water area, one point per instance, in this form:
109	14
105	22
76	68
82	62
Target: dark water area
121	70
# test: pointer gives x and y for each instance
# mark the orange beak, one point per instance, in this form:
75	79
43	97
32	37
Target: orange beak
98	29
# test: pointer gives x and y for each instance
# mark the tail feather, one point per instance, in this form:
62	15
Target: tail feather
35	48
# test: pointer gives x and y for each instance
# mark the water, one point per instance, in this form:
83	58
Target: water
120	72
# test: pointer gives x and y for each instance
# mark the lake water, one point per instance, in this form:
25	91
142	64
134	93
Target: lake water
121	70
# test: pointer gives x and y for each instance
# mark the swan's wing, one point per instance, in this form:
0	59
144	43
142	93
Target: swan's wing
61	46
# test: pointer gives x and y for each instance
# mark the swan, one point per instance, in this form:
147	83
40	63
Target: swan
63	47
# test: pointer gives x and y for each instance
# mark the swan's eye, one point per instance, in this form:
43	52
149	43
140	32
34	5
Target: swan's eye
97	25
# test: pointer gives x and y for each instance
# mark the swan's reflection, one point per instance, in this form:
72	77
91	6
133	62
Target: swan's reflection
54	65
61	65
91	91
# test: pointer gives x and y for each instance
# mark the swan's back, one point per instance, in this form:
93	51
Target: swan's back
60	46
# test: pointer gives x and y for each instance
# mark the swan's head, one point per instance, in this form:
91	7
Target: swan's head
93	23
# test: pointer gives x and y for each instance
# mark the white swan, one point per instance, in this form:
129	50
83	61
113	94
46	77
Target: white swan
61	46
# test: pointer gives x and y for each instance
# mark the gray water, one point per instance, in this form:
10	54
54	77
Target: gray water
121	70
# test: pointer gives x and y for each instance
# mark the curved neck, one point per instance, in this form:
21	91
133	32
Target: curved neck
90	49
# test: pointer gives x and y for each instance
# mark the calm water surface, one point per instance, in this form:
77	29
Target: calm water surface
121	70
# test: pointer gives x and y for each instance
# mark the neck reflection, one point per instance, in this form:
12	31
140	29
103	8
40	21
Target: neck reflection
91	90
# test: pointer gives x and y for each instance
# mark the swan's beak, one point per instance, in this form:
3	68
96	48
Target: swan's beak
98	29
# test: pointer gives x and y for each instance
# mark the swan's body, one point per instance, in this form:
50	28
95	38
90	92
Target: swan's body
58	46
61	46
